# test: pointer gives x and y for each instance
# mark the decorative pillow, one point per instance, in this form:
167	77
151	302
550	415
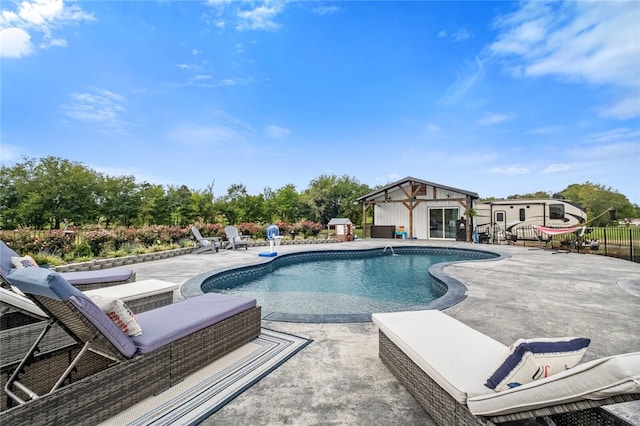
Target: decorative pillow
119	313
23	262
535	359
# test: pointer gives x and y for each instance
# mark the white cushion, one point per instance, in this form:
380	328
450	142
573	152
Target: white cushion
119	313
23	262
535	359
454	355
598	379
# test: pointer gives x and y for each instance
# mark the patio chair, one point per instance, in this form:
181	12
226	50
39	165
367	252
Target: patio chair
445	364
84	280
204	243
109	370
235	240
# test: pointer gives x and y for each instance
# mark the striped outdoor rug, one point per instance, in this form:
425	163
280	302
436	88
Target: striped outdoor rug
205	392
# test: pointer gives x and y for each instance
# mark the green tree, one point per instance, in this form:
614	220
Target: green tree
282	204
597	200
44	193
154	206
119	200
330	196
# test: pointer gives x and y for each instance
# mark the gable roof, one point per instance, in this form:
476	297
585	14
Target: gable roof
410	179
340	221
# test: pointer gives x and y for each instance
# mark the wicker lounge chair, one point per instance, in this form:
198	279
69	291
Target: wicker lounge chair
235	240
111	371
444	364
204	243
84	280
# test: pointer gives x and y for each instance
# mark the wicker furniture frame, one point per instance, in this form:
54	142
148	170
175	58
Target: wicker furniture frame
446	411
102	382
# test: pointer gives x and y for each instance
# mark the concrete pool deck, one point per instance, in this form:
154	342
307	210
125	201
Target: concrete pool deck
339	379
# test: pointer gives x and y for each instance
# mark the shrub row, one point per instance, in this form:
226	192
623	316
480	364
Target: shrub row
95	240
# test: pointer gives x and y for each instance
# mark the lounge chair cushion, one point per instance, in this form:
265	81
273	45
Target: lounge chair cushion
45	282
23	262
169	323
78	278
119	313
456	356
535	359
598	379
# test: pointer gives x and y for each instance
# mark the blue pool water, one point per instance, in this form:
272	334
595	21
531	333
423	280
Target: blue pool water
350	282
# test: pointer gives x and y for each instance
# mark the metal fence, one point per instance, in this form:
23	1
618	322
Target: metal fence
619	241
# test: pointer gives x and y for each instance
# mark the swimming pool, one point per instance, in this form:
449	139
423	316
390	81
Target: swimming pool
347	285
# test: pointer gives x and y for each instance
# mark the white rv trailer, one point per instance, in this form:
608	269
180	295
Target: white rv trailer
502	219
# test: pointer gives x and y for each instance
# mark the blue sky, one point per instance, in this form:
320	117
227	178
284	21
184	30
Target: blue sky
493	97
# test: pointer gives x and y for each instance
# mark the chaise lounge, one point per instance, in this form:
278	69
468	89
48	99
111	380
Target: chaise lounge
110	370
84	280
445	364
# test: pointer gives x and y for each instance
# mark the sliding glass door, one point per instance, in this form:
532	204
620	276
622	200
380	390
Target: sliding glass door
442	222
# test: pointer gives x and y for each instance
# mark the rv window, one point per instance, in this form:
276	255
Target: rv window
556	211
499	217
522	218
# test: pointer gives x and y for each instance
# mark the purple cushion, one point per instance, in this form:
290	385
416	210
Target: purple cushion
98	276
47	283
166	324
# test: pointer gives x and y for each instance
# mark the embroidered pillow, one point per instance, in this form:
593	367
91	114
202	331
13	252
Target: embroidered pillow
119	313
23	262
535	359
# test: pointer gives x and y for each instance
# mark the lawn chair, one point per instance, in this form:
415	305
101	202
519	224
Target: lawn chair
111	371
205	243
235	240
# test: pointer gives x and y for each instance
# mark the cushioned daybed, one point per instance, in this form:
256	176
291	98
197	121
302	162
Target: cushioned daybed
113	370
447	366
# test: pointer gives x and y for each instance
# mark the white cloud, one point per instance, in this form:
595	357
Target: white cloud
9	152
96	106
583	42
491	119
260	18
460	35
326	10
37	18
555	168
509	170
15	43
276	132
464	82
206	135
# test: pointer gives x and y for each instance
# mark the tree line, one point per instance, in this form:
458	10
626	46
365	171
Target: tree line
52	192
49	192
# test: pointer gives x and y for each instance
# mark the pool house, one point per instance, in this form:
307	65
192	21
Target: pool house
415	208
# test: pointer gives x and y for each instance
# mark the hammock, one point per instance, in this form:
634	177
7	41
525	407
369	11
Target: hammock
557	231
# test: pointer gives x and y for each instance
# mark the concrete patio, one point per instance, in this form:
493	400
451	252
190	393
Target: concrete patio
339	379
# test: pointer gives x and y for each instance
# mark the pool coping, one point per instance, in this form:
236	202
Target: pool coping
456	290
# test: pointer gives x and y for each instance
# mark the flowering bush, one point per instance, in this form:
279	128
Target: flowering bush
249	228
309	228
26	240
98	239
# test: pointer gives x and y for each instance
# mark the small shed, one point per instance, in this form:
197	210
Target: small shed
344	229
